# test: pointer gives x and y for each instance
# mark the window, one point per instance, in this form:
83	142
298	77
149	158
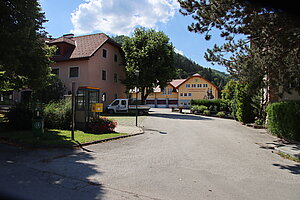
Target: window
74	72
187	85
116	58
205	85
103	97
170	90
164	90
103	75
185	94
181	94
123	102
104	53
116	103
55	71
115	77
199	85
193	85
189	94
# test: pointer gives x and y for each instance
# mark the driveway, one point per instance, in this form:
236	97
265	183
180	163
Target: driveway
180	156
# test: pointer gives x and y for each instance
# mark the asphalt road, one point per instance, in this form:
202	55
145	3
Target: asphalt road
179	157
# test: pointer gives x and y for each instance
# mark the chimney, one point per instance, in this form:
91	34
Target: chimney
69	35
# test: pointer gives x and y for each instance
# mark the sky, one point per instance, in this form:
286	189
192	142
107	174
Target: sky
120	17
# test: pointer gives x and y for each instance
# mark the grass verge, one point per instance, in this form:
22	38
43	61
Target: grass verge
53	138
289	157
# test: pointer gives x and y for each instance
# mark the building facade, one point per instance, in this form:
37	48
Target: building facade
90	61
180	92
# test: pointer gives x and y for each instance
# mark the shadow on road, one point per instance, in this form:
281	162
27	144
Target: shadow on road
47	174
294	169
179	116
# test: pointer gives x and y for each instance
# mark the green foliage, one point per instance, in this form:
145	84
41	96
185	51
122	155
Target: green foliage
244	109
120	39
151	53
20	117
259	41
206	112
58	115
24	58
185	67
53	92
102	125
198	108
221	114
284	118
216	104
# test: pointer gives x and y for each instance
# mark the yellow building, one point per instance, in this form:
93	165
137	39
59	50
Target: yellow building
180	92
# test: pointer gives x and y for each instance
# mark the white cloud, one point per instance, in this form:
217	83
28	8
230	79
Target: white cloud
121	16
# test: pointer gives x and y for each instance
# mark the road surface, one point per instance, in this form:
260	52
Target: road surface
180	156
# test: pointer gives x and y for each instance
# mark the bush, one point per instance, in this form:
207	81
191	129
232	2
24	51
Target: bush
244	109
101	125
198	109
206	112
216	104
20	117
221	114
58	115
284	119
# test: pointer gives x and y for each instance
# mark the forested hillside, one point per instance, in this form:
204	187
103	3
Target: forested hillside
186	67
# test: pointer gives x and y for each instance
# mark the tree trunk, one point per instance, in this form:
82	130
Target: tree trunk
144	95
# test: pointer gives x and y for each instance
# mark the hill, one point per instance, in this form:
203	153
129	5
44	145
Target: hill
186	67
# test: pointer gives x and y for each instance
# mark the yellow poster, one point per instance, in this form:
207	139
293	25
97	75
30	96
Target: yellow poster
97	107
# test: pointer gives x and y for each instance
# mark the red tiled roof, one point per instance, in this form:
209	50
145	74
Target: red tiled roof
198	75
175	83
62	39
85	46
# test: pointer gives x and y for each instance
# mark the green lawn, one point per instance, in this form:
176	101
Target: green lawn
54	137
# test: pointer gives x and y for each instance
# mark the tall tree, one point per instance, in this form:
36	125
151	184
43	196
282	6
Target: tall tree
151	53
24	60
269	46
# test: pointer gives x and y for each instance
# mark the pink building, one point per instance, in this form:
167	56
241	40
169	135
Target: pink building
90	60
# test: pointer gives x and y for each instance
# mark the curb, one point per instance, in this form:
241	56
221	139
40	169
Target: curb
106	140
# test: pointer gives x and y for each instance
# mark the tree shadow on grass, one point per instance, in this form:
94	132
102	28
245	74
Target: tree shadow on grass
48	174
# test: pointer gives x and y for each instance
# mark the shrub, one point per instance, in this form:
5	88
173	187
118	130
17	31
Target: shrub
20	117
206	112
244	109
216	104
284	118
101	125
198	109
58	115
221	114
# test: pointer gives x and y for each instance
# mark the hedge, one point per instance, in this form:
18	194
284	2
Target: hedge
284	119
58	115
216	104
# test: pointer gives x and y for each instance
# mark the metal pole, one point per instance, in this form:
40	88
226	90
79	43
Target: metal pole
136	97
136	110
73	110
